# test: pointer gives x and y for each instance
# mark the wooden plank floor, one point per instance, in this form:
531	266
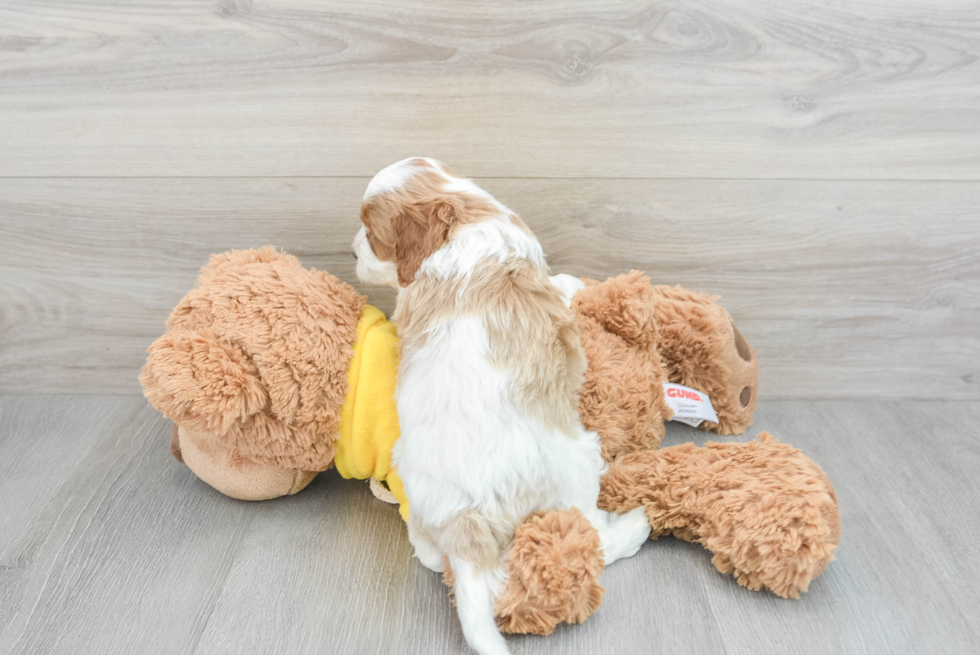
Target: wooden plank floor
108	545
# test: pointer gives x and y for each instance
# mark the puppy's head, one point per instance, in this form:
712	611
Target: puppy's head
410	210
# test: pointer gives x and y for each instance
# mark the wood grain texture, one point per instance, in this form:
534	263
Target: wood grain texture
856	288
108	545
731	88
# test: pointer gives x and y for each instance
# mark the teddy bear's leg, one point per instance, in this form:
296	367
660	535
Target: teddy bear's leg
552	574
700	347
233	475
766	511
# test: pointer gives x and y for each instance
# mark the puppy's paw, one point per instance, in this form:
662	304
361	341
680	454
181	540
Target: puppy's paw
625	534
633	530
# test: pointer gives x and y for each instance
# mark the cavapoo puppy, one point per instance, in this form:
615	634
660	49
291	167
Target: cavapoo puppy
490	371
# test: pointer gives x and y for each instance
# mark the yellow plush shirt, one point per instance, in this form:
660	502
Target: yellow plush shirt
369	417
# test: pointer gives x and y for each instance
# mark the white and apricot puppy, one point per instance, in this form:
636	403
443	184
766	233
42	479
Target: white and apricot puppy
490	372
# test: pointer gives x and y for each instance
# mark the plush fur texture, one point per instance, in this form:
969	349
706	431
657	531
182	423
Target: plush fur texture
553	571
622	398
637	335
766	511
255	359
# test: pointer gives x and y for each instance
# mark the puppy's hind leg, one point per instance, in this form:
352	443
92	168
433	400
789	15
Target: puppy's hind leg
621	535
475	592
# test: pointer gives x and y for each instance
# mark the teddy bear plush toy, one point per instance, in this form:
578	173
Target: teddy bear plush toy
272	373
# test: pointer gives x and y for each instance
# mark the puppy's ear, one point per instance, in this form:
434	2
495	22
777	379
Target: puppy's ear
420	230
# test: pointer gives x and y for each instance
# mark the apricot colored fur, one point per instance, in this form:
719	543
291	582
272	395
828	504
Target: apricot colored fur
766	511
256	358
541	348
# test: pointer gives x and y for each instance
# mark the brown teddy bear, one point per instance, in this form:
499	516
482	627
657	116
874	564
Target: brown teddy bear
272	373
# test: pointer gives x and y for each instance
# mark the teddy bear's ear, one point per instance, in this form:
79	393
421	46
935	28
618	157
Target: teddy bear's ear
622	305
201	382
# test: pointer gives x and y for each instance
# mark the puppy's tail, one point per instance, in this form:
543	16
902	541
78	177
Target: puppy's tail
475	590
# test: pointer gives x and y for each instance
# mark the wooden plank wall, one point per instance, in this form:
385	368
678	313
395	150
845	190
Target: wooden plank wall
815	163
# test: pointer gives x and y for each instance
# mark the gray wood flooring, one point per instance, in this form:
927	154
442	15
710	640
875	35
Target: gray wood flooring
108	545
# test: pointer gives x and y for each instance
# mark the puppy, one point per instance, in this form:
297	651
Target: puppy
490	371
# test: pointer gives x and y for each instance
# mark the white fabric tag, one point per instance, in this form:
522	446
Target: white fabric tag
690	405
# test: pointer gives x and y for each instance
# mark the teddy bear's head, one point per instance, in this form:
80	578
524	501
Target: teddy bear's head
252	370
